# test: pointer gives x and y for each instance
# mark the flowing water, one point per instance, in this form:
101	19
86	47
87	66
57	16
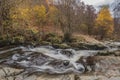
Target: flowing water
46	59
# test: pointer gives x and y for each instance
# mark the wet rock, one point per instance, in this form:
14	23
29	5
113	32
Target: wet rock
68	52
105	53
87	46
88	62
94	46
45	43
107	68
109	53
61	46
117	53
39	61
112	44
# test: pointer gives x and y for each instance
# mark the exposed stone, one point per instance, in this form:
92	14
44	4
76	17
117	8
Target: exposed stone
109	53
117	53
61	46
87	46
108	68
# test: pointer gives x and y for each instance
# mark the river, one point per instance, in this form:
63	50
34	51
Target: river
46	59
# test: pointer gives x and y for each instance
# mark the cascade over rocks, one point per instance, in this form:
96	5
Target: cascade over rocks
48	60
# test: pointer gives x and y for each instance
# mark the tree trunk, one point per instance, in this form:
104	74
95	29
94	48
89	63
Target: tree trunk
67	37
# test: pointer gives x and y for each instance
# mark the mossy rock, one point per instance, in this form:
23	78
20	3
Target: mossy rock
53	38
117	53
87	46
4	41
106	53
77	45
74	39
17	40
61	46
45	43
51	35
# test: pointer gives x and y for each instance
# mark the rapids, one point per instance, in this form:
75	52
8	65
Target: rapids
46	59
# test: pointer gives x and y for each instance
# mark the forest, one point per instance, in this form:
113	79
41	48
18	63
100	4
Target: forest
59	40
44	21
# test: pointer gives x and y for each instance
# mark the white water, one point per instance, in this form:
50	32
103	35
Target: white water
50	60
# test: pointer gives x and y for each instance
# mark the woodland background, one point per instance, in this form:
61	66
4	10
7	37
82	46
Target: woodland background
44	21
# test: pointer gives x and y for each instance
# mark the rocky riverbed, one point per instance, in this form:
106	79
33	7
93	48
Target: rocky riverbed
107	68
48	63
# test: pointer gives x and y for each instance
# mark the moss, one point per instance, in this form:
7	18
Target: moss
45	43
18	39
78	45
61	46
51	35
88	46
53	38
74	40
106	53
5	40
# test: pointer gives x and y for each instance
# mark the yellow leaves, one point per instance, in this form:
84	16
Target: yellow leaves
53	13
24	12
27	12
104	21
14	16
104	17
53	9
30	14
39	15
32	29
39	11
21	13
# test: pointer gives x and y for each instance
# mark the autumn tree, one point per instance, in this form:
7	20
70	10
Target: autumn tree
5	20
90	16
104	22
116	10
21	16
6	8
80	18
39	16
67	17
53	17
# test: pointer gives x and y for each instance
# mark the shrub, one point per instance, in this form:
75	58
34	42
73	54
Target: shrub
53	38
18	39
50	35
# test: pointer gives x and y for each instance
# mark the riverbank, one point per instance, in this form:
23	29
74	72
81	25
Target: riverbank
90	62
81	42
